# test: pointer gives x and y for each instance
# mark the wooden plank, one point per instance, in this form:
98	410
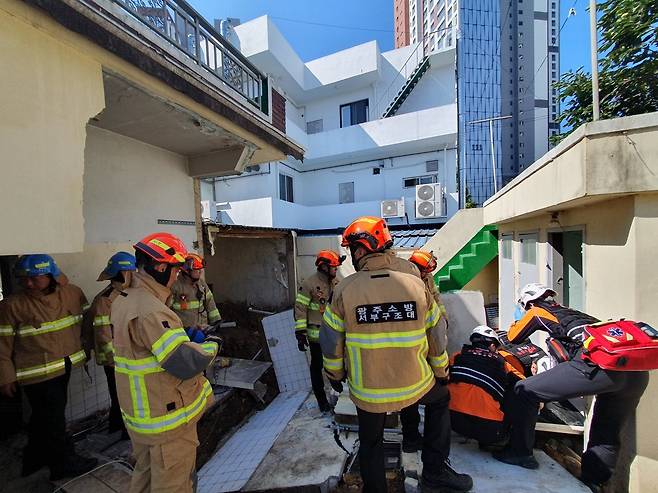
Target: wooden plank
558	428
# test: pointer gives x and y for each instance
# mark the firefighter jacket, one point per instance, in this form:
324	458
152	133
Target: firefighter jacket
38	332
384	323
158	370
193	302
478	382
311	301
96	326
562	323
434	291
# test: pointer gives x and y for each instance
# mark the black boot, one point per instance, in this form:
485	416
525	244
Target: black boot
412	444
509	457
73	466
447	480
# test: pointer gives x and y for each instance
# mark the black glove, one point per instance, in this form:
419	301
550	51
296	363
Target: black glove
336	385
443	381
302	341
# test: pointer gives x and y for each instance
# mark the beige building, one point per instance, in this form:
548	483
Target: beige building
111	112
583	219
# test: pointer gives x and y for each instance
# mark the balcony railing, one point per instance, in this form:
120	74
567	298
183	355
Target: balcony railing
180	24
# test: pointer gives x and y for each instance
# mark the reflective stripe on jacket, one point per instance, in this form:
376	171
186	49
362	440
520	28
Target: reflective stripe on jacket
97	328
385	325
158	370
193	302
38	332
479	380
434	291
312	298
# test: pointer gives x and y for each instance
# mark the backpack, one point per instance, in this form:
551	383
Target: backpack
522	355
623	345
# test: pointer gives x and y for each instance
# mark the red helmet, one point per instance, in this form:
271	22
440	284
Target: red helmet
163	247
329	257
370	232
425	261
194	261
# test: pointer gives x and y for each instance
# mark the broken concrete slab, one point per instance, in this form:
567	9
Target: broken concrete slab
290	364
491	476
465	312
241	373
308	449
233	465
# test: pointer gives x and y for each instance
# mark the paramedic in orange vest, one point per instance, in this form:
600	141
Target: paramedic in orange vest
191	298
312	298
40	343
98	332
481	382
159	371
412	441
617	392
381	332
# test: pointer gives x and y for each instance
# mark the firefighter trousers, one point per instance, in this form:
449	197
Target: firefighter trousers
317	381
168	467
436	439
47	443
115	419
617	396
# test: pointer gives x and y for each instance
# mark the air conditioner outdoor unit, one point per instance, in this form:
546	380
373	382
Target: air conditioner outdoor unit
429	201
392	208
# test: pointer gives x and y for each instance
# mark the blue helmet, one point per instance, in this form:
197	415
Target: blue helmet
118	262
38	264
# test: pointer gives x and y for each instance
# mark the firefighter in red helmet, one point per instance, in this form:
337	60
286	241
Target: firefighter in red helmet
313	295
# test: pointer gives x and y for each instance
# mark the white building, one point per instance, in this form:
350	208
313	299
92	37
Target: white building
355	159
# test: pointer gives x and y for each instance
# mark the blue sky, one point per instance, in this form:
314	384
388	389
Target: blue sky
306	24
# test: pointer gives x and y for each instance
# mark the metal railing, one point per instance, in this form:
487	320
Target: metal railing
180	24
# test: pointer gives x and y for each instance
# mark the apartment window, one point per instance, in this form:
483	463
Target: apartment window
285	188
411	182
520	12
432	166
520	23
354	113
314	127
346	192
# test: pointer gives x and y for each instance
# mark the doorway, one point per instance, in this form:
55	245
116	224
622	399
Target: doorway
565	264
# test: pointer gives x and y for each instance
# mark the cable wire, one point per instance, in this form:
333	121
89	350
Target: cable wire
334	26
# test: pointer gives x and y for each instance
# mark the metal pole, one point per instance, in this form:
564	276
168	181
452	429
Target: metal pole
594	52
493	155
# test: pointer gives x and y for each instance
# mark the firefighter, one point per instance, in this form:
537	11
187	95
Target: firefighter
481	382
312	298
383	322
40	342
412	440
98	329
192	299
617	392
162	391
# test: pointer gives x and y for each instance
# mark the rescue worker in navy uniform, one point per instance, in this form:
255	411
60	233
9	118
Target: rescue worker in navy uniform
412	441
40	342
159	371
481	382
312	298
98	331
384	323
617	393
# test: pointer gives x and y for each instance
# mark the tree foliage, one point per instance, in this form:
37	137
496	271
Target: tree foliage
628	66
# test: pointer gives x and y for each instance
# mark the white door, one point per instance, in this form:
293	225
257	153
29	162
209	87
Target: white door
506	295
528	271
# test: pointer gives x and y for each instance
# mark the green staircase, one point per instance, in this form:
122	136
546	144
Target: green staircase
470	260
408	86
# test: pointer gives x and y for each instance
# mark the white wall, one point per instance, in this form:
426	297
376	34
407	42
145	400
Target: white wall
436	88
255	185
329	108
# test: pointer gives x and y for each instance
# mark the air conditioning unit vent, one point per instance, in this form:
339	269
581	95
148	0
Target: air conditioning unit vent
429	201
392	208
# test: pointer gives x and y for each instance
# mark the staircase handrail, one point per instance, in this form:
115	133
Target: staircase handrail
403	73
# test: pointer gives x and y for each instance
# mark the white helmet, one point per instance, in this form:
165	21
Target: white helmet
533	291
484	331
